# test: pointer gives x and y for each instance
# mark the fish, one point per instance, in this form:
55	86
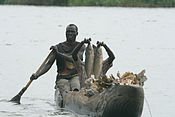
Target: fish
98	62
89	60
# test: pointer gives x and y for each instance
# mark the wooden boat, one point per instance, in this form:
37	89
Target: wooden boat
115	101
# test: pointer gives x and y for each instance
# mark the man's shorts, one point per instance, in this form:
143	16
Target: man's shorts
68	84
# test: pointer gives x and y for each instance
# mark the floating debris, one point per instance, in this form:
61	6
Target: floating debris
8	44
60	25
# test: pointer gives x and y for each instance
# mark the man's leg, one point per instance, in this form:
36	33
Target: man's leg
75	83
63	86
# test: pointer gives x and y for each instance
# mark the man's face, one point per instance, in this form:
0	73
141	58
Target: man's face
71	33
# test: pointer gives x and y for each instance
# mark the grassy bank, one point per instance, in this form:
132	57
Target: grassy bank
121	3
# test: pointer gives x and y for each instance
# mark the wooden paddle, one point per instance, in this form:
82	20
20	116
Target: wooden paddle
17	98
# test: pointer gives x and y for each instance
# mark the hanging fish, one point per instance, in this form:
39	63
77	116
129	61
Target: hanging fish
98	61
89	60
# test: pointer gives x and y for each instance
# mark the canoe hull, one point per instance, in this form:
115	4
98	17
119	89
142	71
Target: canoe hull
116	101
128	102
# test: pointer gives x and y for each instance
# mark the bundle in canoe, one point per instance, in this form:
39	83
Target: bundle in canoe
109	97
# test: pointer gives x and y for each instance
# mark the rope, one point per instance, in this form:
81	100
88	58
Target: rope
148	107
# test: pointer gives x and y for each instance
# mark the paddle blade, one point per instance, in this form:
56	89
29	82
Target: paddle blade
16	99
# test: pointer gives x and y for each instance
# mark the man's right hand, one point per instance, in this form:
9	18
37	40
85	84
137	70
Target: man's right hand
53	48
87	40
33	77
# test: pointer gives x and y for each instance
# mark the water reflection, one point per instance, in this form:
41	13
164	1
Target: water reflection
33	107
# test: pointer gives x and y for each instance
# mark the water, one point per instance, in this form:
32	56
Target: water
141	38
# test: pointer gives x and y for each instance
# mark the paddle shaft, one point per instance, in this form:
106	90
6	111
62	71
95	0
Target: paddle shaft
18	96
39	69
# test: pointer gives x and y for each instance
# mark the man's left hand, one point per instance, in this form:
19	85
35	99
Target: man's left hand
100	43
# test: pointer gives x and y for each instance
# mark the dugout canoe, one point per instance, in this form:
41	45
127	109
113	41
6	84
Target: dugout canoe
115	101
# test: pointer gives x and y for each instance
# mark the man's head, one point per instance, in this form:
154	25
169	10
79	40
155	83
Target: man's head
71	32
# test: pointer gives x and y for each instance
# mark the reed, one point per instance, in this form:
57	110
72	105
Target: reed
120	3
123	3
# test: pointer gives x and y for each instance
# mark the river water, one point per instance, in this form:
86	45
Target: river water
141	38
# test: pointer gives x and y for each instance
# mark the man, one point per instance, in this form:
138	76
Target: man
80	66
67	76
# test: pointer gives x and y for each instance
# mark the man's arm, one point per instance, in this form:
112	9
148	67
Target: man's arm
65	56
77	49
109	52
45	68
48	65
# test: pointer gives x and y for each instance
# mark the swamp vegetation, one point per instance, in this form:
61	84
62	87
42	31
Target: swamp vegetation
114	3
